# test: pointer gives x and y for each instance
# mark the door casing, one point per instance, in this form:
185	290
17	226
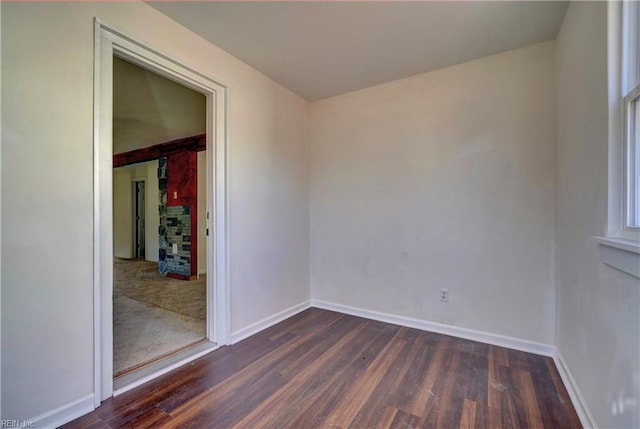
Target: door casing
109	42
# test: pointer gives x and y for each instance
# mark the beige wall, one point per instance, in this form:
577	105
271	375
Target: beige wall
149	109
442	180
123	177
122	213
47	117
598	306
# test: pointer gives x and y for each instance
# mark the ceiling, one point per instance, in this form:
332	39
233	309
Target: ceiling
149	109
322	49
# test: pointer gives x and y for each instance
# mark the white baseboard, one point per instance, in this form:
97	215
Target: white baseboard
64	414
454	331
254	328
586	418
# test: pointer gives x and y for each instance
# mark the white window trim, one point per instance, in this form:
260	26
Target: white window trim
617	228
620	245
630	172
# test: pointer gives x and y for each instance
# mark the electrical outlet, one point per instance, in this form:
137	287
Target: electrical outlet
444	295
174	248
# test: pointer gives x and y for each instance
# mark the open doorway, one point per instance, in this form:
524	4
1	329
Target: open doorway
110	42
159	207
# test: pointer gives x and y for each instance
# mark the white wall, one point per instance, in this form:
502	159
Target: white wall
47	219
442	180
598	306
123	241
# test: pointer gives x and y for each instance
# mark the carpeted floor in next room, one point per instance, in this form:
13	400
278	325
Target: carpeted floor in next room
153	315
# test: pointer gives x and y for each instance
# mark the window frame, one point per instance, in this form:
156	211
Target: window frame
623	79
631	193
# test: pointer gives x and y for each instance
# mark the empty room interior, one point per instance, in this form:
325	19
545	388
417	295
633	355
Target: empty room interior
305	214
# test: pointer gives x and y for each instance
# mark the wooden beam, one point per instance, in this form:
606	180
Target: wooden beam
192	144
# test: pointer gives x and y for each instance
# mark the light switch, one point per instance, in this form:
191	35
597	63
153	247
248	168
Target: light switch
175	195
175	248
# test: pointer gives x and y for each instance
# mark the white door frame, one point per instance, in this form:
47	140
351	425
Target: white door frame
109	41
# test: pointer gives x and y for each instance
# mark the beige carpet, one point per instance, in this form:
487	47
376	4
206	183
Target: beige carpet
153	315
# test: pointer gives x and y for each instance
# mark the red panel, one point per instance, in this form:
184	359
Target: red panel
182	179
182	190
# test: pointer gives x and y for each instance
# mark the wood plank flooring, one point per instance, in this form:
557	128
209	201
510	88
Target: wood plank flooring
330	370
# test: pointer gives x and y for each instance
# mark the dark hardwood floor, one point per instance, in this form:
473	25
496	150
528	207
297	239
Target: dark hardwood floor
325	369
